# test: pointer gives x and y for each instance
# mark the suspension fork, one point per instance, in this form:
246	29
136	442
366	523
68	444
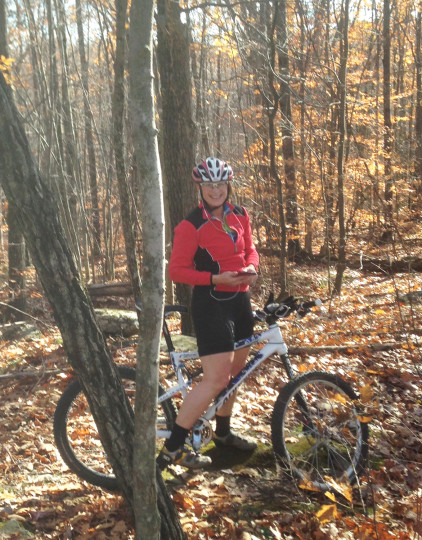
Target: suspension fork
287	366
300	400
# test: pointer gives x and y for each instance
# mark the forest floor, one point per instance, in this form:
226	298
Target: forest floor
249	498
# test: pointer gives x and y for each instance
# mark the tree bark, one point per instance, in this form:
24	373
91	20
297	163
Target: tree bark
3	29
16	243
272	108
388	141
291	205
17	265
418	114
84	343
342	82
118	108
89	137
142	111
178	129
71	171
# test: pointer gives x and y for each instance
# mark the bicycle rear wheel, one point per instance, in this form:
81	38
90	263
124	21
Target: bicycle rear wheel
317	432
76	434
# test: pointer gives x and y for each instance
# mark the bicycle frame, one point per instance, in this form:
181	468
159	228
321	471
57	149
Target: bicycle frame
275	345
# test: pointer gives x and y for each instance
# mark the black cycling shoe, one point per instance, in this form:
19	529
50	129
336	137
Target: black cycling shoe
233	440
183	457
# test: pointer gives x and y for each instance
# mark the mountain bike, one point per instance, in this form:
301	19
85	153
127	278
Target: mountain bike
318	429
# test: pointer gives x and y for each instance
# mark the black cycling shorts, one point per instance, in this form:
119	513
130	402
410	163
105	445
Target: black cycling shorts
220	319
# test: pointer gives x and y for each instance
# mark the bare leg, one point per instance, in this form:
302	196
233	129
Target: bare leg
218	369
239	362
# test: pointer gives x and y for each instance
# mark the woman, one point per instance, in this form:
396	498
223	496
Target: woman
214	252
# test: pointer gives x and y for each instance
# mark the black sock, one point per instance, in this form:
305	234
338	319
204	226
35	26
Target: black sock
222	426
177	438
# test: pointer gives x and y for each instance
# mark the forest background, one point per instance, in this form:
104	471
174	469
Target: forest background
317	106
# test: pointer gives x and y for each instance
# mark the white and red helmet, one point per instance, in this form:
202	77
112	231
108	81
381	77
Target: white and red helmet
212	170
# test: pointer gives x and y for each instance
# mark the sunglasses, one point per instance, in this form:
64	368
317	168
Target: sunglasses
214	185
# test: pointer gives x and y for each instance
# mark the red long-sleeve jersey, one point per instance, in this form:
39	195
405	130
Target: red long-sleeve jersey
202	247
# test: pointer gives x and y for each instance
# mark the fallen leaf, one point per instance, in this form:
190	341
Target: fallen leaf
328	512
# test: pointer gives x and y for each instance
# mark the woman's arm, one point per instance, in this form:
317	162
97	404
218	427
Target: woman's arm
251	254
181	265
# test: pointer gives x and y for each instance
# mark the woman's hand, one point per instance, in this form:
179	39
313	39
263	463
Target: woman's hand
250	277
234	279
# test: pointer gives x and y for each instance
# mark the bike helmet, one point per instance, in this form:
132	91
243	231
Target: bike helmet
212	170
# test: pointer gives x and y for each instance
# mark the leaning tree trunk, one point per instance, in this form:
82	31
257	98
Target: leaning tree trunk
74	314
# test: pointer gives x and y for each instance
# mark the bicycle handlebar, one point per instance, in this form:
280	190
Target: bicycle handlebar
274	311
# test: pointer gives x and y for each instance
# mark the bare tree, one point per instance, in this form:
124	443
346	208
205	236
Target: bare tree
89	136
388	141
418	123
85	345
291	206
342	83
142	112
16	242
118	111
177	127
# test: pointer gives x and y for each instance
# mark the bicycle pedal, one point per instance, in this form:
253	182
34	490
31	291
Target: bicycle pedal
163	461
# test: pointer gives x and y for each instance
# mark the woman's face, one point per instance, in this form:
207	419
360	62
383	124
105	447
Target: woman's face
214	193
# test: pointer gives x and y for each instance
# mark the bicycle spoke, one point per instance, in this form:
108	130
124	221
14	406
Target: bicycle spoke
316	429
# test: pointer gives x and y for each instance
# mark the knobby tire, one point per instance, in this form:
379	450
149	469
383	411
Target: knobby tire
317	432
77	438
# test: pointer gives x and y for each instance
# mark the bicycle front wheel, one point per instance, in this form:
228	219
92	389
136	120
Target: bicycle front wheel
317	432
76	434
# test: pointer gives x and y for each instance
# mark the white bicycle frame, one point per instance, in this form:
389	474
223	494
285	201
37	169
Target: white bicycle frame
275	345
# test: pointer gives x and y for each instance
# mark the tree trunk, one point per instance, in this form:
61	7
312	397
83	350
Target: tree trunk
83	341
89	137
418	114
17	265
388	141
71	174
272	108
291	206
178	129
3	29
197	76
342	81
142	112
118	108
16	243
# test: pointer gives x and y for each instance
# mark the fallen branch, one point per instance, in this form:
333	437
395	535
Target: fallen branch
372	347
410	331
30	374
110	289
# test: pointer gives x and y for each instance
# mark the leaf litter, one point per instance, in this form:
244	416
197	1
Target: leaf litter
241	498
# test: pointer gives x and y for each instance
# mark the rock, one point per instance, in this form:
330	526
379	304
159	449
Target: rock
19	330
413	297
120	322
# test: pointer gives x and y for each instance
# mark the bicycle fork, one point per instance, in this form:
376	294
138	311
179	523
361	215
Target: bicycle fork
300	400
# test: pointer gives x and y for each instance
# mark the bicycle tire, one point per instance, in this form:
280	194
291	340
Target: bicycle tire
324	443
77	438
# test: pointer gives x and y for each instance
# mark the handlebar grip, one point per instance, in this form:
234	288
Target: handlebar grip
305	307
311	303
